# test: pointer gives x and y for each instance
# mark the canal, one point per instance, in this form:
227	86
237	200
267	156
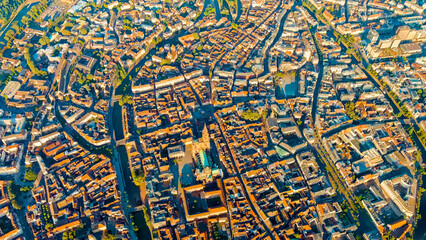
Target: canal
132	192
133	196
420	229
144	232
117	122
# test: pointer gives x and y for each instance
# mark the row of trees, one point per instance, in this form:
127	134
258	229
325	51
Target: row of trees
147	216
47	217
217	234
14	29
17	27
12	192
135	227
156	41
5	78
309	6
404	111
338	185
7	7
31	64
420	134
348	40
120	75
34	12
371	71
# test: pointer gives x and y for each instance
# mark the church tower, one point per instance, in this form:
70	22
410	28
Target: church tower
202	143
205	139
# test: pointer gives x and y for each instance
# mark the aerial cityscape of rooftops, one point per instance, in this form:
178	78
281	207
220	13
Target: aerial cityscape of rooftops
212	119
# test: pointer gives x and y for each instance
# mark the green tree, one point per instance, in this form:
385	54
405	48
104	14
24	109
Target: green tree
30	63
224	12
195	36
9	34
48	226
147	216
71	234
12	190
217	234
109	236
30	175
126	99
8	8
66	32
250	115
83	31
165	62
44	41
351	111
138	177
16	205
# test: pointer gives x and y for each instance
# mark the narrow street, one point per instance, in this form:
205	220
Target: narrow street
238	174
